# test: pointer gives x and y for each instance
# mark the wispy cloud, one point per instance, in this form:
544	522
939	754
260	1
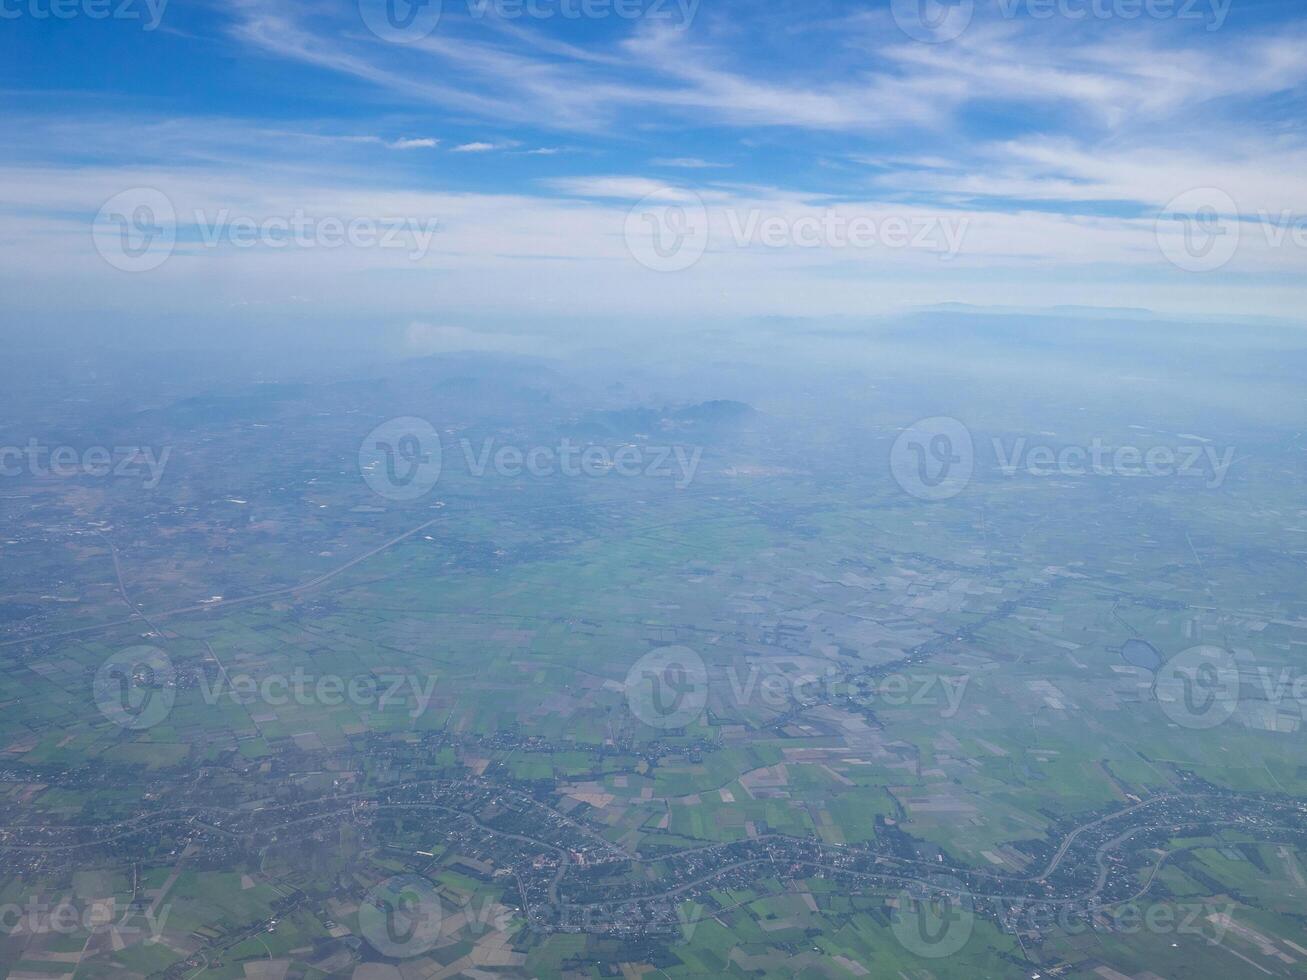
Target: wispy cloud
477	147
687	163
617	188
1058	144
567	250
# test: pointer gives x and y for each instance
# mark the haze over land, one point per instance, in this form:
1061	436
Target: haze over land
652	489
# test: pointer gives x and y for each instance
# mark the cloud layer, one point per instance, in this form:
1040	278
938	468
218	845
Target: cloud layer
1048	153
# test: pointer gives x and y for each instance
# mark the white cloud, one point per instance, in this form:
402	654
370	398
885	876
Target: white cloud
524	255
687	163
1257	174
1070	123
1111	79
620	188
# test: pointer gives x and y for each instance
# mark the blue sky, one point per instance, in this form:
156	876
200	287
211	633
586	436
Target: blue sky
1049	135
